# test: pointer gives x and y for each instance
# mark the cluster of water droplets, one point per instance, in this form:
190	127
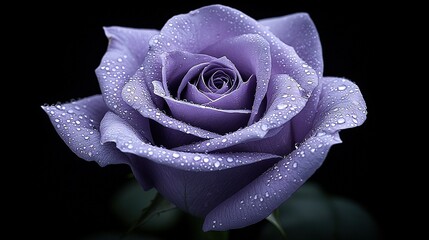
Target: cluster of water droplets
282	179
76	127
190	161
114	74
343	106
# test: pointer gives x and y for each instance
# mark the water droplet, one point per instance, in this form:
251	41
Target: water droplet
342	88
341	120
294	165
264	127
217	164
57	120
229	159
224	140
319	134
197	158
77	122
176	155
206	160
130	146
90	154
281	106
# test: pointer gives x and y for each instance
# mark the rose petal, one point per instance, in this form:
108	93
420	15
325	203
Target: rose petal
203	27
208	118
170	138
280	143
175	65
340	106
251	55
77	123
125	53
223	174
298	30
114	129
260	198
199	192
240	98
138	97
221	63
284	102
193	94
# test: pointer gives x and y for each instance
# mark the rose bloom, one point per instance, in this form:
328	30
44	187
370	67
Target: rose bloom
224	115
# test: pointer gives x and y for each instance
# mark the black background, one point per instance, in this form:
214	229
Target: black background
72	196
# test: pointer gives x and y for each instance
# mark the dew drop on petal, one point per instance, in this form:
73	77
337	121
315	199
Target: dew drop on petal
197	158
341	121
217	164
342	88
281	106
176	155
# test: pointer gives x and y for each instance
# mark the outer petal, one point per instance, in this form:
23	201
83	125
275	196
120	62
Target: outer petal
199	192
284	102
114	129
298	30
77	123
260	198
125	53
340	106
280	143
208	118
347	108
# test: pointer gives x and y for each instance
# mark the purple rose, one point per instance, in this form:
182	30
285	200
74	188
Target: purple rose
224	115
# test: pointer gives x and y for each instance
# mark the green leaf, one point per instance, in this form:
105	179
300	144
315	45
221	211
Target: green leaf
129	202
273	220
158	206
313	214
